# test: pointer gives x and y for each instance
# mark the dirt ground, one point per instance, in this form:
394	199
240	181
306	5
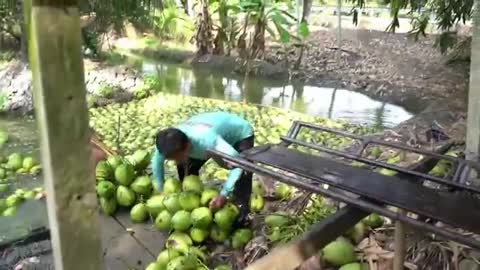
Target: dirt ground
385	66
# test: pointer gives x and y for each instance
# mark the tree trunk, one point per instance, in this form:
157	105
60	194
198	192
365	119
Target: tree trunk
204	30
24	19
307	8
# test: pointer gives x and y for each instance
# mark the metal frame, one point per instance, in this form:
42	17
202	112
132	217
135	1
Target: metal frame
366	205
462	167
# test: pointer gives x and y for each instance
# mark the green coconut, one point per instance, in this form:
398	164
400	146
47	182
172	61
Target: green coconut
139	213
181	237
202	217
258	188
283	191
155	266
28	163
108	206
275	234
15	161
208	195
124	174
241	237
373	221
277	219
125	196
355	266
189	200
192	183
114	161
182	263
103	171
171	186
172	203
141	159
223	267
10	211
357	233
105	189
181	220
167	255
224	218
198	235
155	204
218	235
13	200
163	221
256	203
142	185
339	252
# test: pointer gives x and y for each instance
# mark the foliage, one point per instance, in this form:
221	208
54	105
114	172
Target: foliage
264	16
447	14
106	90
228	27
315	211
10	18
6	55
173	23
91	44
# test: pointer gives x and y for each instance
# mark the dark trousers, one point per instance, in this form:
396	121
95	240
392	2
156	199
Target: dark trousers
243	186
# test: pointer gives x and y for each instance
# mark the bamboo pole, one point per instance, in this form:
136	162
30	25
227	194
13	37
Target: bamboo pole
61	113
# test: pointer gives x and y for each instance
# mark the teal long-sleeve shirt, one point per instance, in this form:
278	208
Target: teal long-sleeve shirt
215	130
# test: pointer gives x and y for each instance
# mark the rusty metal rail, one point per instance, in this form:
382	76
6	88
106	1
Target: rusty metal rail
307	173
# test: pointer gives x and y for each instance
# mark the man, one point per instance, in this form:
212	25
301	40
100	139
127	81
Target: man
187	145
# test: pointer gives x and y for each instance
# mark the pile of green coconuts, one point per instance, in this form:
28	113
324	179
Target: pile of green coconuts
181	210
12	167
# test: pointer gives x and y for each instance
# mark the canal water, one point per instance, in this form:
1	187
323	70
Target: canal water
330	103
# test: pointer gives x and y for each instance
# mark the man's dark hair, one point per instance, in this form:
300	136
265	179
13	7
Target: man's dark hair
170	140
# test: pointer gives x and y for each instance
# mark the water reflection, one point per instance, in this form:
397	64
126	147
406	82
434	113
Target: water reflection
325	102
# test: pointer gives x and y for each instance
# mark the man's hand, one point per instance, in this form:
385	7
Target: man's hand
217	202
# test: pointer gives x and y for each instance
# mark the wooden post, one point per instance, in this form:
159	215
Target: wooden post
473	117
400	246
61	112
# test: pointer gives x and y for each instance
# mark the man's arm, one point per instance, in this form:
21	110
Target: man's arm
222	146
157	163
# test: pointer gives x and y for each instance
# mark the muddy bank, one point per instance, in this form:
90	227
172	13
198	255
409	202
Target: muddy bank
16	83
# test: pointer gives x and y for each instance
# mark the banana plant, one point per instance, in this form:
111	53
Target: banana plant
303	33
227	28
266	16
